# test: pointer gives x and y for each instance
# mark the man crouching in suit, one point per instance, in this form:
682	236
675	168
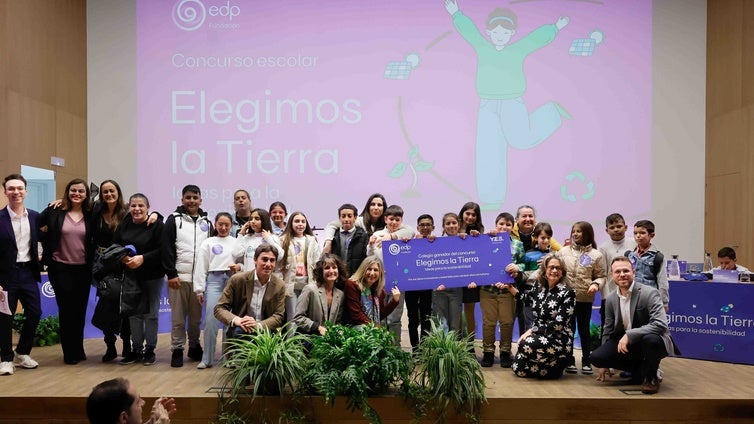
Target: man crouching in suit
635	333
255	299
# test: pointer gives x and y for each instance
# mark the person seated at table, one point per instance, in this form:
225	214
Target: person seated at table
726	257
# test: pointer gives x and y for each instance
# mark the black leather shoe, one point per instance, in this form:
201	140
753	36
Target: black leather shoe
195	353
176	361
488	358
650	386
506	360
110	354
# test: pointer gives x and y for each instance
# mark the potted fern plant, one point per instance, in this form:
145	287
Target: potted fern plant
356	363
446	375
263	363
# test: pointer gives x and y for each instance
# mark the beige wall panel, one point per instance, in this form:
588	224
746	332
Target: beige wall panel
70	136
62	176
725	218
747	92
31	131
724	56
5	165
70	56
726	143
30	32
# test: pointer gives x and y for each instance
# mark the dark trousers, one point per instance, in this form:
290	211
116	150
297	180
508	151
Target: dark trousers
643	358
419	309
21	286
71	285
124	330
580	320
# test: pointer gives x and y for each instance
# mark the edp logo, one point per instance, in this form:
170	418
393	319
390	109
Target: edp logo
47	290
189	15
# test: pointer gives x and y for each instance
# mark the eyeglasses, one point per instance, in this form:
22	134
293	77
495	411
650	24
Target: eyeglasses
425	224
554	268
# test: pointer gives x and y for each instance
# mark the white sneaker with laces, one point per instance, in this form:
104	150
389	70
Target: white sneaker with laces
201	365
6	368
25	361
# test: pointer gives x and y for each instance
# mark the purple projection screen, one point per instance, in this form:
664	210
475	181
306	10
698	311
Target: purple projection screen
321	103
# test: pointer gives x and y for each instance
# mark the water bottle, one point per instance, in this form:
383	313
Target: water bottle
674	269
708	262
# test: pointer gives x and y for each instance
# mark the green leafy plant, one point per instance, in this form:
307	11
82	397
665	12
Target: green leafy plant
356	363
446	375
263	363
48	329
595	335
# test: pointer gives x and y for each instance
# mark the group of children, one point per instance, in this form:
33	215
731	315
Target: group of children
204	256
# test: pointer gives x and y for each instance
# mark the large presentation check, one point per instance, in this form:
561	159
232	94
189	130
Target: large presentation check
451	261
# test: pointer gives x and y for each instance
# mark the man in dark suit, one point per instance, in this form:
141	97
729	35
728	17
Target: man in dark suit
19	275
635	335
350	242
253	300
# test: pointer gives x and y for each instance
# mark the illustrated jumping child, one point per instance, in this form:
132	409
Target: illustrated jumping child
503	118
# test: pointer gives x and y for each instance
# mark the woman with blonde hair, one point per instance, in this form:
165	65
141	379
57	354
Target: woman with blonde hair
366	299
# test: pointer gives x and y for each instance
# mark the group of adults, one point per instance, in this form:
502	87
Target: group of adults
264	280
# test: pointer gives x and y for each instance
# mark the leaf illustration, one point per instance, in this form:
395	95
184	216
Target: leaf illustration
398	170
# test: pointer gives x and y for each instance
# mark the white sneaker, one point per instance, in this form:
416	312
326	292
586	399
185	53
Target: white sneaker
6	368
25	361
201	365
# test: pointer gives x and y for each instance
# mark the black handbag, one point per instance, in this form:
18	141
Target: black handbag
109	288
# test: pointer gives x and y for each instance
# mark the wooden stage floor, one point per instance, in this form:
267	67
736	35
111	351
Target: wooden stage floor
692	391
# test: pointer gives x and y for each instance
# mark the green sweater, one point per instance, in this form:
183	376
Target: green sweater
500	73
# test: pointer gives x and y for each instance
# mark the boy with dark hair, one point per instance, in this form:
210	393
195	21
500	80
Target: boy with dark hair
184	232
727	259
393	221
349	241
615	227
648	262
419	302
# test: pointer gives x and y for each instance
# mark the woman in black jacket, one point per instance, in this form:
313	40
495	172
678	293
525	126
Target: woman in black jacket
145	267
66	238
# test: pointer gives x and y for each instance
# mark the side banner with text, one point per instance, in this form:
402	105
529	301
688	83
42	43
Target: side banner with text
713	321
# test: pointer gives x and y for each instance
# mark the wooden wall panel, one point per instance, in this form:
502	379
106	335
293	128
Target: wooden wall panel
724	147
30	32
724	55
70	64
31	130
725	219
43	85
729	191
747	49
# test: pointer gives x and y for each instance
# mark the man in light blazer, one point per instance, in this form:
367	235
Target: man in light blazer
19	275
635	333
253	300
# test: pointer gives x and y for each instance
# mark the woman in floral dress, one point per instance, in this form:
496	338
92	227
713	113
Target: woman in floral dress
544	350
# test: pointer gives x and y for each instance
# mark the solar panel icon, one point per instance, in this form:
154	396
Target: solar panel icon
585	46
401	70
